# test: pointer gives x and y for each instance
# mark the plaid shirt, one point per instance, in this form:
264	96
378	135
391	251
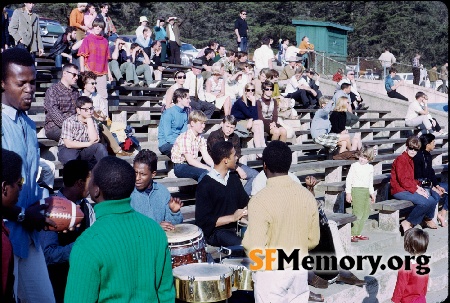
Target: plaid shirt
95	50
74	130
59	104
187	143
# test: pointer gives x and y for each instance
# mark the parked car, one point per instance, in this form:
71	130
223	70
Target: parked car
188	53
50	31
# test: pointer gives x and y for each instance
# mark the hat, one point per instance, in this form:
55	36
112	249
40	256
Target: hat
142	19
197	63
344	81
293	59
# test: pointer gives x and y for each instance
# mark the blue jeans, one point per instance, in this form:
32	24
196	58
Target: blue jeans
92	154
251	175
189	171
243	44
224	237
422	206
58	61
166	149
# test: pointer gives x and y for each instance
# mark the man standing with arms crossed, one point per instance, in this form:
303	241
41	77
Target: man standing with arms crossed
241	31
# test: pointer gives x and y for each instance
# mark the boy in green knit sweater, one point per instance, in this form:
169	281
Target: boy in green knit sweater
124	256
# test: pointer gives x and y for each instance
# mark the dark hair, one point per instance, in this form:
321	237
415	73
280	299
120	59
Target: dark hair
98	22
147	157
265	40
84	76
88	6
177	72
416	241
68	66
82	100
134	45
17	56
272	73
104	5
208	51
221	150
11	166
75	170
392	70
114	177
180	93
345	85
419	95
277	157
230	119
212	42
241	54
426	139
266	84
68	30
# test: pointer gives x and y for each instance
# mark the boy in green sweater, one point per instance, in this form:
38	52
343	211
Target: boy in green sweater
124	256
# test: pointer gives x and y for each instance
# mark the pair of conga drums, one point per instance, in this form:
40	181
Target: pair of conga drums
196	280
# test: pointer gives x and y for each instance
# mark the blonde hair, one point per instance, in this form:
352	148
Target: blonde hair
216	70
323	101
244	96
341	104
366	152
197	115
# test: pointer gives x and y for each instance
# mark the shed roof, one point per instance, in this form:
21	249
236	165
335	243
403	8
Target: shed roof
322	24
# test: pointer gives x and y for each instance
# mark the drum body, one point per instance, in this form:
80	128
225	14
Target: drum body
203	282
241	228
242	273
187	244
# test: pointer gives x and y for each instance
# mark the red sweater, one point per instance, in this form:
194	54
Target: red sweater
402	175
410	285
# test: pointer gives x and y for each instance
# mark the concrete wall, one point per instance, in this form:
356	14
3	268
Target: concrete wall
375	96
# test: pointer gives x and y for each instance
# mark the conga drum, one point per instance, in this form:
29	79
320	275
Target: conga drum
203	282
242	273
186	244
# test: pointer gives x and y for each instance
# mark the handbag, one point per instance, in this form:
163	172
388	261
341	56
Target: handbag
351	119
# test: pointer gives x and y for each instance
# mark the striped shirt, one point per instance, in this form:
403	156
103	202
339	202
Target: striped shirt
187	143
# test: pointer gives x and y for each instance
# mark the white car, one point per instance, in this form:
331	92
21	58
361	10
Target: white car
408	77
188	53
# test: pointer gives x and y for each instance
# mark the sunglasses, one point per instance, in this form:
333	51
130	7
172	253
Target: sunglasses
244	13
414	149
351	74
73	74
181	77
87	109
268	89
250	90
92	83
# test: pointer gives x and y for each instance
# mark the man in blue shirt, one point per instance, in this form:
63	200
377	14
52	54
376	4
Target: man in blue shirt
173	121
161	36
150	198
32	283
391	87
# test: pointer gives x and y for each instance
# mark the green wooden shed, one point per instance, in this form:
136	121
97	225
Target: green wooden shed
328	38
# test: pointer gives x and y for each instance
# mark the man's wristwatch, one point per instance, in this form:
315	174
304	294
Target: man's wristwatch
21	215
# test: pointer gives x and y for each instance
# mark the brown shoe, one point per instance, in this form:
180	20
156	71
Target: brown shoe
318	282
430	224
315	297
123	153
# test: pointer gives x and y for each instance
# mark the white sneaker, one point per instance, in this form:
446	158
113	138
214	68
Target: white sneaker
283	94
154	84
141	83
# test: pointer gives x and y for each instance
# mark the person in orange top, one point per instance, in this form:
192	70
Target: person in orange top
76	19
306	48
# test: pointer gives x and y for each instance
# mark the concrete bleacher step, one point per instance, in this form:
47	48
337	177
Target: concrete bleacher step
380	285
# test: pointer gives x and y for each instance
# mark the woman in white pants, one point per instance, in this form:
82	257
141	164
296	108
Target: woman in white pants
418	116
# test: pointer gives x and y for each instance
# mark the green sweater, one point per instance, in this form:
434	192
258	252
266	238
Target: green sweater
123	257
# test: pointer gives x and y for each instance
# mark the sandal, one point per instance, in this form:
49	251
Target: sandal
360	237
354	239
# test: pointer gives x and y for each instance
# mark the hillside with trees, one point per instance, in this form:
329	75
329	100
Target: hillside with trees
404	26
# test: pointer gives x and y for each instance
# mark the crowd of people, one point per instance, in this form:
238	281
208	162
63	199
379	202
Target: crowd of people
132	211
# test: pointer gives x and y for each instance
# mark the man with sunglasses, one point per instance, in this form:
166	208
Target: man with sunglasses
79	135
241	31
59	102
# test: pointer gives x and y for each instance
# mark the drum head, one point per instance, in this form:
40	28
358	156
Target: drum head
202	271
238	262
183	232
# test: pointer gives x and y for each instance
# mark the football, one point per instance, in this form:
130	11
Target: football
63	212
